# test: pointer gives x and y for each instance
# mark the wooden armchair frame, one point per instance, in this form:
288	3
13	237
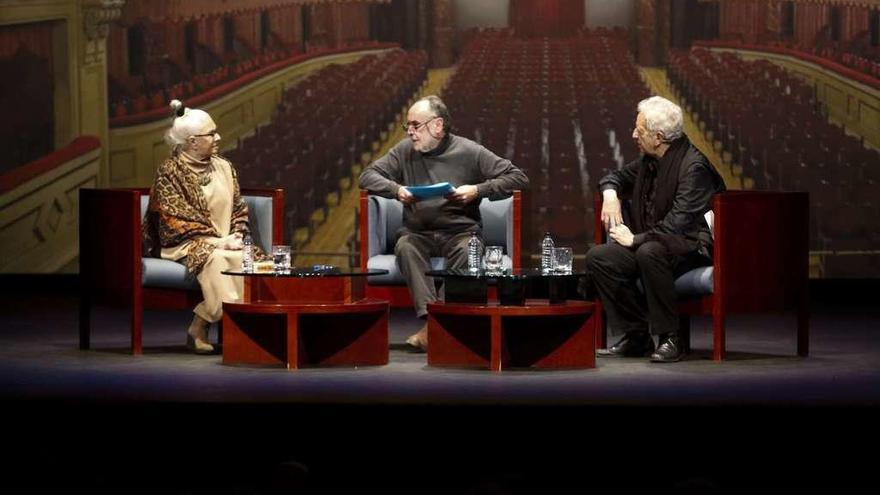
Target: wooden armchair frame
398	295
111	270
760	262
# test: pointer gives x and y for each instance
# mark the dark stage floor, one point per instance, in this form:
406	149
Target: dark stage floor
172	422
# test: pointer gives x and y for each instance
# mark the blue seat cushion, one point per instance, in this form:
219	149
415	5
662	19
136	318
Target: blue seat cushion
389	262
394	277
697	282
166	274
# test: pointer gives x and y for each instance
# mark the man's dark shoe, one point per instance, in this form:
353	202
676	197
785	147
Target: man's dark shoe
633	344
670	349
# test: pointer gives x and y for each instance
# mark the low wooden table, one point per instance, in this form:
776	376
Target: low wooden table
306	318
537	334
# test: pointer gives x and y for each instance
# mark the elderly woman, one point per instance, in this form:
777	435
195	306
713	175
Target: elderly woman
197	217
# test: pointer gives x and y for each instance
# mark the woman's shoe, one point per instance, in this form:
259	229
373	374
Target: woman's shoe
197	337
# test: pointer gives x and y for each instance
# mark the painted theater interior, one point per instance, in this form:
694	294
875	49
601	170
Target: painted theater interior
231	261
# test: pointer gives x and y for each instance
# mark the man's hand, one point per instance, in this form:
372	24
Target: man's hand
463	194
621	235
232	242
404	196
611	215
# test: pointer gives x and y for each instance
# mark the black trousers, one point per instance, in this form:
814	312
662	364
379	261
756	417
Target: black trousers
614	271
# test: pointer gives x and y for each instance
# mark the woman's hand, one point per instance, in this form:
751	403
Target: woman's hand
232	242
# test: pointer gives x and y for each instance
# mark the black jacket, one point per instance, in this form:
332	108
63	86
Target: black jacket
683	191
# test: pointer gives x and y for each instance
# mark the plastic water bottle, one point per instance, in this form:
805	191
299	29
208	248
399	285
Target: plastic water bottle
247	254
475	252
547	246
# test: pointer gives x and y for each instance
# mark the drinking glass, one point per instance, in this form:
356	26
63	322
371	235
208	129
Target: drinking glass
493	259
562	257
281	258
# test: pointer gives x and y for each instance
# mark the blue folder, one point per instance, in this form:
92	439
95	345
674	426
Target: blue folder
434	190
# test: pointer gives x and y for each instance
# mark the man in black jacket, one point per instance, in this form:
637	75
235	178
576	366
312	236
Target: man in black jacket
670	189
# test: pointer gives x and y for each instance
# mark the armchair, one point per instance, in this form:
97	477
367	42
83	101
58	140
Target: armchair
760	264
114	272
380	218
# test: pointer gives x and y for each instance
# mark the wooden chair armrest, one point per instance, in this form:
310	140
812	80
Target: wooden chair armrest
364	227
516	255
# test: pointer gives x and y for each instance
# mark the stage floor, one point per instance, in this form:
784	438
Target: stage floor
39	358
181	423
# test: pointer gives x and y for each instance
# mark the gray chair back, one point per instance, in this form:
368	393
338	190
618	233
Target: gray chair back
260	221
259	218
385	218
498	223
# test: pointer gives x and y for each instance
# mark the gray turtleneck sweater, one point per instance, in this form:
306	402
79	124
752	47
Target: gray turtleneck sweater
456	160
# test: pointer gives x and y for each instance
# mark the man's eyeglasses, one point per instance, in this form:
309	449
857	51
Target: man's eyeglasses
416	125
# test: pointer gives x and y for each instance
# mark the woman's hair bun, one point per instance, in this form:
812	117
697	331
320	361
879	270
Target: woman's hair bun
177	107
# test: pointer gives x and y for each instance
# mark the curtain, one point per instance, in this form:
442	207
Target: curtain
537	18
246	29
210	33
160	10
745	20
355	22
27	127
855	21
756	20
35	37
286	23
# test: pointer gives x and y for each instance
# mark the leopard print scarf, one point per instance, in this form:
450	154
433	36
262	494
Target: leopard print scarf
178	212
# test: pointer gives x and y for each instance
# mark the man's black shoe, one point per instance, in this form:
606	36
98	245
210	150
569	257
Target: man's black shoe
669	351
633	344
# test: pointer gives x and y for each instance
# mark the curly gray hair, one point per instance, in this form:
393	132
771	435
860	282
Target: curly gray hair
663	116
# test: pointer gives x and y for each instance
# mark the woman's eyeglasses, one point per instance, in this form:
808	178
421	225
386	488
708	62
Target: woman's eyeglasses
209	133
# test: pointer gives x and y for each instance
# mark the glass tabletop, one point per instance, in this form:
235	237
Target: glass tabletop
311	271
508	273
